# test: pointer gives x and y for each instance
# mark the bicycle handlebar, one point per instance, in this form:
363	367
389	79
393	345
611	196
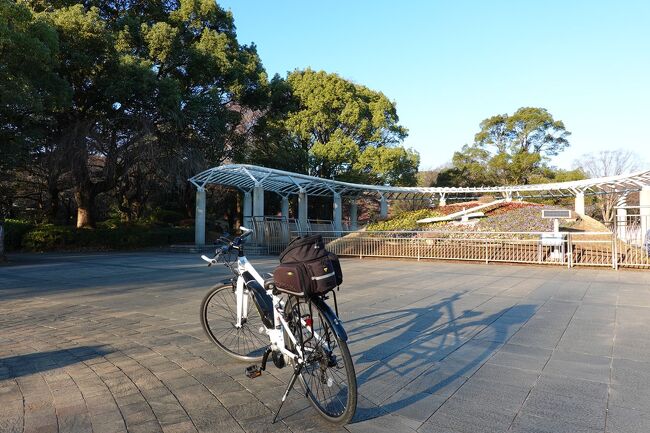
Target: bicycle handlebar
230	245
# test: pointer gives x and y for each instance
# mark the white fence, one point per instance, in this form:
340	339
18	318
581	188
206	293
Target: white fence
568	249
565	249
632	229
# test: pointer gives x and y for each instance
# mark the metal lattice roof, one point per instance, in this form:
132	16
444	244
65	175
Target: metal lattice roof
246	177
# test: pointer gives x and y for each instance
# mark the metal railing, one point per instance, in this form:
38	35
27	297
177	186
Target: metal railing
272	234
632	229
569	249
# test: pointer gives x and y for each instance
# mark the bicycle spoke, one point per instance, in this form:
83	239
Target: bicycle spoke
220	318
327	386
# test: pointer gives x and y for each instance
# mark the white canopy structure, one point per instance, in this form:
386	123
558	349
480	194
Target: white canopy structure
254	180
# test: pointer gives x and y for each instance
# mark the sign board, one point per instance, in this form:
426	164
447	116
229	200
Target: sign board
557	213
553	239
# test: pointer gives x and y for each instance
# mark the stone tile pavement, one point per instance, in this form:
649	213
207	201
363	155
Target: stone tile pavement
111	342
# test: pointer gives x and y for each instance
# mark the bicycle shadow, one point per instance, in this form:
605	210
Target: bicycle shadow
38	362
423	352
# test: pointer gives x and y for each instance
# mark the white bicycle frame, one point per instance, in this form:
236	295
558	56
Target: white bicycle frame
275	334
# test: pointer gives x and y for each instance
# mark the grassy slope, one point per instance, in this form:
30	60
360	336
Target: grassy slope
504	217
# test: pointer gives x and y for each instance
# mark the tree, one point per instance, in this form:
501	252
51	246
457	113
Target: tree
347	131
395	166
270	143
428	177
150	82
508	150
469	167
608	163
29	86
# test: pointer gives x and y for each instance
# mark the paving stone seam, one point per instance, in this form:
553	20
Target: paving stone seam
441	326
147	369
611	361
22	394
542	370
188	372
165	385
171	392
486	361
107	388
201	383
54	403
98	376
103	382
25	414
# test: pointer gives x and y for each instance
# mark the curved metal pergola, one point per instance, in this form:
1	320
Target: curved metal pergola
254	180
246	177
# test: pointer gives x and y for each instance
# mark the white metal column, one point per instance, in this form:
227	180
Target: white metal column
258	201
337	212
354	210
383	207
644	211
302	211
248	210
285	207
580	203
199	217
621	224
258	213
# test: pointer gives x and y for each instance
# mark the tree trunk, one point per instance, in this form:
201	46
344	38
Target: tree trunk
2	242
53	211
85	206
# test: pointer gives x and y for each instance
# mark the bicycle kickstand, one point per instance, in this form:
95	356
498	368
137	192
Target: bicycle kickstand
292	382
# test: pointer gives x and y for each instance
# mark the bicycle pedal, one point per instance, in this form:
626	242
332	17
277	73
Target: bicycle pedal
253	371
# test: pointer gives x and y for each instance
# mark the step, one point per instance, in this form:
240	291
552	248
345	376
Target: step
251	250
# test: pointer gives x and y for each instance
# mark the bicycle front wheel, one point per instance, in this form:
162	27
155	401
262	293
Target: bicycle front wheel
328	375
219	318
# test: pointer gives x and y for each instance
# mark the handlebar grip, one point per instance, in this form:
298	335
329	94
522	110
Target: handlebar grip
208	259
246	232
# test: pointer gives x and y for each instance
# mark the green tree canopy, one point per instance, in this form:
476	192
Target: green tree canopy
165	81
334	128
30	89
509	149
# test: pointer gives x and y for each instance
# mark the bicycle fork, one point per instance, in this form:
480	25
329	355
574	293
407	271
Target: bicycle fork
242	303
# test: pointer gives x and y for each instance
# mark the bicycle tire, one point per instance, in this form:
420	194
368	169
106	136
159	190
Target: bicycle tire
218	321
313	384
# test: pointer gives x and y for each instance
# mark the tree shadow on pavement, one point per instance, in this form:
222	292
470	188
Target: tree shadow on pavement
22	365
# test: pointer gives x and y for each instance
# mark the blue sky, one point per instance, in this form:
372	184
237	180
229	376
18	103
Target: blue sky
450	64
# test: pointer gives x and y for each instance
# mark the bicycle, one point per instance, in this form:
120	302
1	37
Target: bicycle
251	320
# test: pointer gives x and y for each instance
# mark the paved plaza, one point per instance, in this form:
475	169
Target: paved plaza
111	342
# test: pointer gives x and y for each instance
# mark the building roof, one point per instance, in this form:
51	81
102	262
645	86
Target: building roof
245	177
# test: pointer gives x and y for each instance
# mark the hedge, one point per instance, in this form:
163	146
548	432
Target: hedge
15	230
50	237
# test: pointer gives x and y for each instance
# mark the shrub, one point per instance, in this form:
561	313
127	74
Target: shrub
15	230
50	237
403	221
164	217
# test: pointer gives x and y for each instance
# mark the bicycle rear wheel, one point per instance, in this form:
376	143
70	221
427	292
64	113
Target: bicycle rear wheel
328	375
218	318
